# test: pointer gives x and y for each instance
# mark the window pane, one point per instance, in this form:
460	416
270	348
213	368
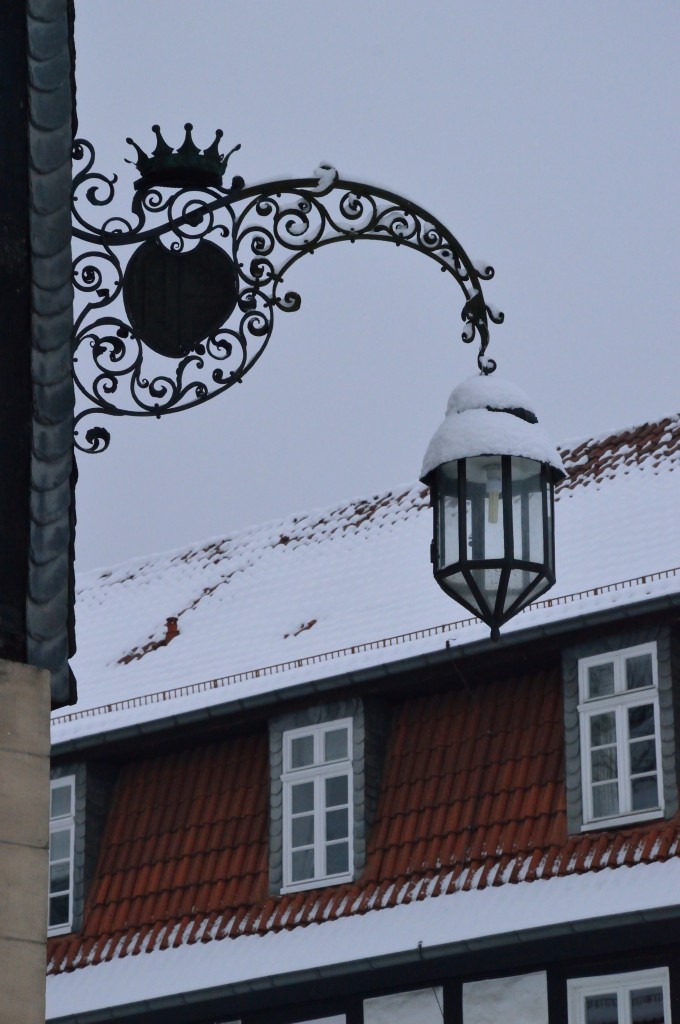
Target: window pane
302	751
646	1005
303	831
303	865
603	729
602	1009
336	791
604	764
337	858
58	910
302	797
641	721
639	671
645	793
59	877
335	745
601	680
605	800
337	824
60	844
642	756
60	801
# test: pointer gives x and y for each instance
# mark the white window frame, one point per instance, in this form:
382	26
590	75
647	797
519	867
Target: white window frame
317	773
619	702
579	988
61	823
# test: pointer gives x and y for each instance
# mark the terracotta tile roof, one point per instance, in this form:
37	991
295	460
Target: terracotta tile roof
472	795
595	459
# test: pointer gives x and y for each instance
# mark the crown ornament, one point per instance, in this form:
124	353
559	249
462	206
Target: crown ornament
182	168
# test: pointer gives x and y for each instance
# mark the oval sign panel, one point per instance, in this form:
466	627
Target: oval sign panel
175	300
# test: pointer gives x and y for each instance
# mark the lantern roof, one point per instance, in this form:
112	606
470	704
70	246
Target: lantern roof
487	415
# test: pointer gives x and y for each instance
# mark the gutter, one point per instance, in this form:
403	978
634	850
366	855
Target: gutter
133	1012
358	679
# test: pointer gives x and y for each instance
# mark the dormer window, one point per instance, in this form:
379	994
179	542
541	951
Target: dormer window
620	735
61	854
318	811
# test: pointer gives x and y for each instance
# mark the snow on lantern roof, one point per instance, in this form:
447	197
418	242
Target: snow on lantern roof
487	415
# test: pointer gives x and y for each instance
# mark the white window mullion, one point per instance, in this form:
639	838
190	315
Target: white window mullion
319	865
623	755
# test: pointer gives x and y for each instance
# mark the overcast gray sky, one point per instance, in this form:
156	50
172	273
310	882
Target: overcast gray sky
543	134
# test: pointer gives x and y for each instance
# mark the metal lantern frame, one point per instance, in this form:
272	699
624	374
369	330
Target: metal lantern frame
538	576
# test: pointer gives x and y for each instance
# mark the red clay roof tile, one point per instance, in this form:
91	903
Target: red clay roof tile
473	795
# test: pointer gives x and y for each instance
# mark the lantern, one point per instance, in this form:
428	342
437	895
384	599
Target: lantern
491	472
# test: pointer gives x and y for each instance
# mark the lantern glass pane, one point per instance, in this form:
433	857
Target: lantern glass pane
488	581
527	510
545	584
458	587
519	580
550	559
485	494
447	497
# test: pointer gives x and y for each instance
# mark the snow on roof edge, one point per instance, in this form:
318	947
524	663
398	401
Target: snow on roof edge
119	715
458	918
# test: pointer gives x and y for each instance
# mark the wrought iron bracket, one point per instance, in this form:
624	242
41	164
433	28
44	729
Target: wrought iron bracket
263	229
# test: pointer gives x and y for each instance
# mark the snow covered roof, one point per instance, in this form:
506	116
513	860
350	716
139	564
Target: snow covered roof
336	591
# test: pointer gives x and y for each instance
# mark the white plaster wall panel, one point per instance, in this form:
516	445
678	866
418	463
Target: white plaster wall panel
522	999
422	1007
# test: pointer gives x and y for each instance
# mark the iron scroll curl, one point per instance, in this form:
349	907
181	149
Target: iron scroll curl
264	229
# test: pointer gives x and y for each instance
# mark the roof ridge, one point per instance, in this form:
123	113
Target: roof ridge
572	443
101	576
636	446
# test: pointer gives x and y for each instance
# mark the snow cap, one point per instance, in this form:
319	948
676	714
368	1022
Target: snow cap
486	415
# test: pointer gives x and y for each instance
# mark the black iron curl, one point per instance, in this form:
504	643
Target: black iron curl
266	229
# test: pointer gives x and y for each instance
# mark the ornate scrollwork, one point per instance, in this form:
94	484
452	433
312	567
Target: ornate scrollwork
263	230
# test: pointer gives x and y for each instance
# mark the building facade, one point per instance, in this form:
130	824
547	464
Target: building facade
297	787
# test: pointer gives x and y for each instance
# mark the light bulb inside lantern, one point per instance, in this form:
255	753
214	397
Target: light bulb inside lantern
493	491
